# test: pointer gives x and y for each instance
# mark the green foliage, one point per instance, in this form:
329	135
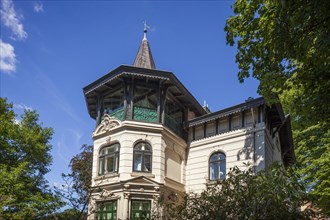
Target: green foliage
272	194
285	44
313	154
280	39
312	147
76	190
68	214
24	160
81	168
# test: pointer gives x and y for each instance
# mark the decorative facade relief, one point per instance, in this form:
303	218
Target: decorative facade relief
107	124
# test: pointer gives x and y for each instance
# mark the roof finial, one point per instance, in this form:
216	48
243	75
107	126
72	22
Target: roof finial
146	27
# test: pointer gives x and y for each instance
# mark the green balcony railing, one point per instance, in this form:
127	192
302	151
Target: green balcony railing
174	125
150	115
118	113
145	114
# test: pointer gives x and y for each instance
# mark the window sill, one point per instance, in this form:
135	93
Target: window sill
213	182
136	174
105	176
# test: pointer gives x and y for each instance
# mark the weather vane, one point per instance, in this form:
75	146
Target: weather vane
146	27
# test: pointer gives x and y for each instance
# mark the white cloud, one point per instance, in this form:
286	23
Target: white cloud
38	7
76	135
7	57
58	98
23	107
61	148
70	139
11	19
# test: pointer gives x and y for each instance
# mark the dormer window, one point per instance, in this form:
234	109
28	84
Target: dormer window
142	159
109	159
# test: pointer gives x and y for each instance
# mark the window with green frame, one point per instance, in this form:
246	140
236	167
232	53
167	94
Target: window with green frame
107	211
140	209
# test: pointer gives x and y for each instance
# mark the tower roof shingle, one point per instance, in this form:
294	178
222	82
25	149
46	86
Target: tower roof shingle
144	57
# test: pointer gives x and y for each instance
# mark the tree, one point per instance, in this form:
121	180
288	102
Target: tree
272	194
68	214
24	160
76	190
285	45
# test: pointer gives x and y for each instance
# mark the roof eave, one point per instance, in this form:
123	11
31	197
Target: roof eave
139	71
286	141
225	112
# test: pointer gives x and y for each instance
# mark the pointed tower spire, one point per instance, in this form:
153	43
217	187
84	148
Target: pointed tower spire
144	57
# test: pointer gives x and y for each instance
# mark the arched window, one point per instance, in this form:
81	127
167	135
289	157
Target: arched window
217	166
142	159
109	159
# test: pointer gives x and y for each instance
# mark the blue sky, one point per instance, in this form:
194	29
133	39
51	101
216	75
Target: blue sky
50	50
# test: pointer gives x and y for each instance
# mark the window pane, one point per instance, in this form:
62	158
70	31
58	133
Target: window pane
137	161
147	147
147	163
110	164
216	170
143	146
109	216
135	205
222	157
212	171
146	206
137	147
111	149
214	157
115	165
222	169
108	206
101	166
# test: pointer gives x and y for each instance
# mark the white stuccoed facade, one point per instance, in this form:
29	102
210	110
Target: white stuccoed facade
168	165
178	166
166	141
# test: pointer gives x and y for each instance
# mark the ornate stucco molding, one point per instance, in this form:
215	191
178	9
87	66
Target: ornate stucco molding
107	124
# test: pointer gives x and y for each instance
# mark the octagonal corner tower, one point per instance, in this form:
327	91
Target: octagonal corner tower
140	141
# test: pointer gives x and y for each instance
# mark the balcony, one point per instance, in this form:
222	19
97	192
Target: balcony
150	115
175	126
118	113
145	114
